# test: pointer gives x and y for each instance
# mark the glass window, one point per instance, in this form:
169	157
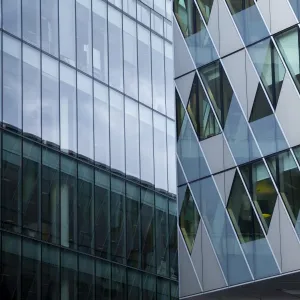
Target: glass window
205	8
31	269
50	272
269	67
86	276
287	178
101	124
117	143
11	183
173	248
129	6
170	103
134	284
102	209
220	230
160	151
12	16
31	189
169	9
171	144
84	35
50	100
118	284
130	57
67	31
31	91
85	208
100	61
117	220
12	84
115	46
143	14
189	219
190	154
31	21
132	138
149	286
288	43
148	230
49	26
157	23
160	6
50	196
180	113
195	32
85	116
261	189
133	225
162	235
146	145
10	284
296	7
158	74
201	113
163	289
68	275
117	3
68	203
174	290
248	20
168	30
148	2
103	279
144	63
68	110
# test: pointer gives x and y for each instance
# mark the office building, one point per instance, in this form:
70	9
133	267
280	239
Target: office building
88	162
238	103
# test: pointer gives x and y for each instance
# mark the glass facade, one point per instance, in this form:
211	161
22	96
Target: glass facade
88	175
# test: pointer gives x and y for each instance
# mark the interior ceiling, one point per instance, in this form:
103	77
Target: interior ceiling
283	287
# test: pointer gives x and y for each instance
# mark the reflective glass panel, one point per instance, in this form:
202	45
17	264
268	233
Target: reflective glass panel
171	146
134	284
163	289
149	286
118	283
221	232
12	16
189	219
296	7
248	20
205	8
173	248
103	279
86	277
180	113
170	103
129	6
194	31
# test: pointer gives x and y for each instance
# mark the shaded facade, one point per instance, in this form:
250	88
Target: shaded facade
237	102
88	166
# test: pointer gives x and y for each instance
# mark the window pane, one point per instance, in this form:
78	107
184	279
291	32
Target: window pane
117	143
129	6
143	13
148	230
115	48
171	156
117	3
163	289
31	21
130	57
205	8
160	6
100	40
68	203
117	220
84	35
144	63
31	91
49	26
118	288
132	138
12	16
101	124
85	208
85	116
12	85
157	23
86	277
158	74
146	144
50	101
11	183
102	209
50	197
149	287
160	151
50	272
173	248
170	103
103	279
68	126
133	225
67	31
134	284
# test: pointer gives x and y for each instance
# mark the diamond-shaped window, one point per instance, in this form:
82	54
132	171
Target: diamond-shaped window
201	113
242	214
189	219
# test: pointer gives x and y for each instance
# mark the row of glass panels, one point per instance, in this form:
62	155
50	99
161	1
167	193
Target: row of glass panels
49	100
35	270
52	197
100	41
